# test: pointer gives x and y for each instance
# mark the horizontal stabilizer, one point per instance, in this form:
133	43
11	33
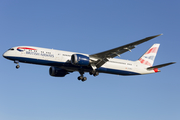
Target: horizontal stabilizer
160	66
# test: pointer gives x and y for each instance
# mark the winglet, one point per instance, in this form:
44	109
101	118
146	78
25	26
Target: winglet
160	34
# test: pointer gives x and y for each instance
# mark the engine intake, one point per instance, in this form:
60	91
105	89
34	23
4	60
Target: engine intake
81	60
57	72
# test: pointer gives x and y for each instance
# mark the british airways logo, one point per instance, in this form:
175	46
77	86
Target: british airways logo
32	51
21	49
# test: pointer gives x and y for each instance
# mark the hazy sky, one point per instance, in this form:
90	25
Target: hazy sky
30	93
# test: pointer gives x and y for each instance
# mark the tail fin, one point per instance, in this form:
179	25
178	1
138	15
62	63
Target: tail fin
149	57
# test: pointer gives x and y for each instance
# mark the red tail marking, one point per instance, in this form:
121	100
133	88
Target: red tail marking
141	60
145	62
152	50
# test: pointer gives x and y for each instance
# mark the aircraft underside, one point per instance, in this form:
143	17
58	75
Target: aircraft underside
71	68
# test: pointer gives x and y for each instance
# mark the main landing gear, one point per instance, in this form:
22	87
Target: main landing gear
17	62
94	73
82	78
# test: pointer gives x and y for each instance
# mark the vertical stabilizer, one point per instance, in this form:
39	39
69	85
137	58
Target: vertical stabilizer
149	57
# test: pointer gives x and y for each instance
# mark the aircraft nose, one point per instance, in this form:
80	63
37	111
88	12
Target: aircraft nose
5	55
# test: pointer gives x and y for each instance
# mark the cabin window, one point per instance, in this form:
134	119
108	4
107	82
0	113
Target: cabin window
11	49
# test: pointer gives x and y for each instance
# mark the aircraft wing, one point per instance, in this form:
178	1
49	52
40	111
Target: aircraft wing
103	57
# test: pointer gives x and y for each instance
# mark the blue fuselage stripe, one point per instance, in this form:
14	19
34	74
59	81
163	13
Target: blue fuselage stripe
70	66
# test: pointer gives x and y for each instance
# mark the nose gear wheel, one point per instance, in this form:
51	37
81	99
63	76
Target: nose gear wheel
17	62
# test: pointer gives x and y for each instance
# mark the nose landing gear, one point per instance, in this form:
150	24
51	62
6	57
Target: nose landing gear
17	62
17	66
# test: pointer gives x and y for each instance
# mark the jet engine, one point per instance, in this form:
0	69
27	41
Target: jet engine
81	60
57	72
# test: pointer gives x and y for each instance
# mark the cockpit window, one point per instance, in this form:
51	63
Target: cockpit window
11	49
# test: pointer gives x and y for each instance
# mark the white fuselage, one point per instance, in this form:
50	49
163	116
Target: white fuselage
62	59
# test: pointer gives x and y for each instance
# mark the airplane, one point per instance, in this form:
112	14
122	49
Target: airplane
64	62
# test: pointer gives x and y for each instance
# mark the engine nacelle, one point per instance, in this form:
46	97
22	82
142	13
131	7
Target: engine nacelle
57	72
81	60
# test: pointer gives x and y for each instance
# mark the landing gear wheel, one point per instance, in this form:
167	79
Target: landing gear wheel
96	74
84	79
80	77
91	73
17	66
